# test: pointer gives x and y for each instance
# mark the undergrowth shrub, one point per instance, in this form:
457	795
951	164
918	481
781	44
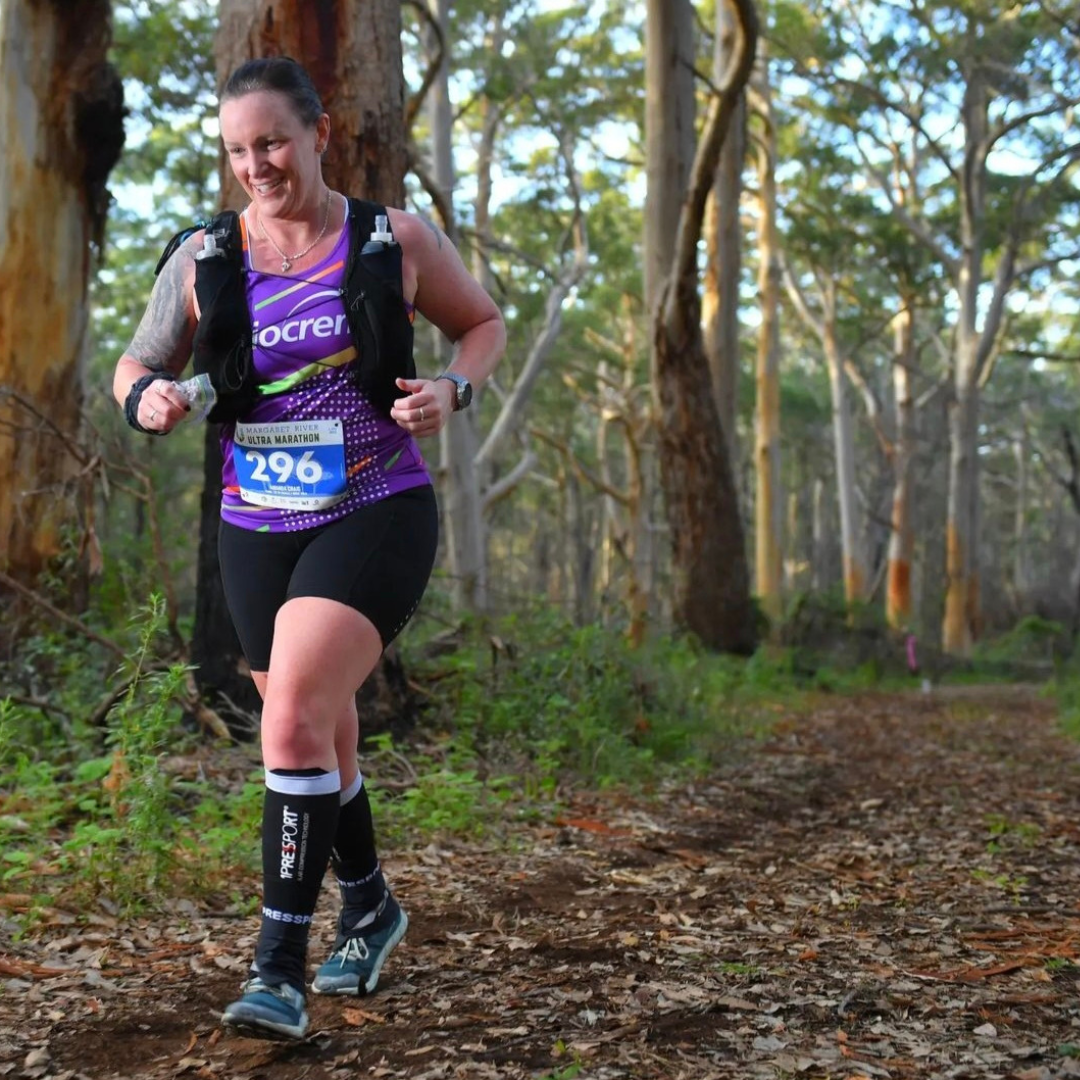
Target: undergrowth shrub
91	812
529	707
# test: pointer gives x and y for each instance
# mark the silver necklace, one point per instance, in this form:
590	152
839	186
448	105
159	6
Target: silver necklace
288	260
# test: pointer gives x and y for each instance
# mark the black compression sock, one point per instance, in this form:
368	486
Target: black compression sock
300	811
356	862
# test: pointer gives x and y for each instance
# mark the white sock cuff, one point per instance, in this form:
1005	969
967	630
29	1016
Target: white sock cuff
350	793
328	783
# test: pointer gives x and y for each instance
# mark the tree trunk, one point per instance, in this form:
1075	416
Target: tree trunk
61	128
352	50
820	549
466	544
961	595
221	672
1022	457
824	324
902	534
669	132
962	603
768	532
723	235
854	562
711	593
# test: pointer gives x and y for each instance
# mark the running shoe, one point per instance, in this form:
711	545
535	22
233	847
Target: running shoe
361	950
268	1011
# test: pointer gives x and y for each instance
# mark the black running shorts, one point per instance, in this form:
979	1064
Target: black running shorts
377	560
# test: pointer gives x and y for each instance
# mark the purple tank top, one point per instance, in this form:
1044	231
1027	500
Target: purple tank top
313	448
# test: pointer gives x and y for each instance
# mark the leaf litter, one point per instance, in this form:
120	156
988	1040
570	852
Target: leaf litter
886	888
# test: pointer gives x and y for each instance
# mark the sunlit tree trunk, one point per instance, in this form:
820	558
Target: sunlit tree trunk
824	325
1022	457
768	533
61	129
902	534
819	544
962	603
854	560
723	237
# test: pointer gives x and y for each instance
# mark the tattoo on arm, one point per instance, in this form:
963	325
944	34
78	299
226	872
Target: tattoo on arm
436	230
163	337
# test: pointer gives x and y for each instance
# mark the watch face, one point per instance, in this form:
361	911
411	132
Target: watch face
464	393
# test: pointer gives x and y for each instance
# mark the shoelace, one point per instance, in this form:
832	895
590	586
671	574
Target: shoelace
257	986
353	949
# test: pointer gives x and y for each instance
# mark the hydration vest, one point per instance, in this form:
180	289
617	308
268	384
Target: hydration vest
375	310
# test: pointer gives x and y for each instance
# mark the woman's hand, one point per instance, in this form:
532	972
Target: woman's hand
425	408
161	406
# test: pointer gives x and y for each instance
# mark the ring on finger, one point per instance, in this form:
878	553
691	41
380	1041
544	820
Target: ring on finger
153	415
421	413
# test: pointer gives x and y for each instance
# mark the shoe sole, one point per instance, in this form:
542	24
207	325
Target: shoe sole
265	1029
373	979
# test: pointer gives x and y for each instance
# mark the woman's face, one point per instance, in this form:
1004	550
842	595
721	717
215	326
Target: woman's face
273	154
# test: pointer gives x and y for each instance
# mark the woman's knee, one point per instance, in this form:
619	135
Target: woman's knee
296	738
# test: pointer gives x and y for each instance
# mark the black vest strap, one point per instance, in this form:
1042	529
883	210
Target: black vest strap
379	320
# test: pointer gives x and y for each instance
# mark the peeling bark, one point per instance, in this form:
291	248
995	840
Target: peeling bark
61	128
352	49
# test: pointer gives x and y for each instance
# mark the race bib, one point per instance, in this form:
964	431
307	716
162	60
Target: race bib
291	465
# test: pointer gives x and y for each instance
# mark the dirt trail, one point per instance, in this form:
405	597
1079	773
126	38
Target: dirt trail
887	888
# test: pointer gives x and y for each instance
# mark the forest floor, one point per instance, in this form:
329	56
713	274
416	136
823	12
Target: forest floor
887	886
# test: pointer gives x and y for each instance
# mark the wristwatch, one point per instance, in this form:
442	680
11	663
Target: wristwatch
462	389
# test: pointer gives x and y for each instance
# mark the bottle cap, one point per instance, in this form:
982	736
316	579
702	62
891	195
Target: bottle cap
382	231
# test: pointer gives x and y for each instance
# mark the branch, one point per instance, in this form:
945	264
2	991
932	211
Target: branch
73	448
1024	118
549	332
580	470
916	226
1072	483
1040	354
416	102
506	484
872	404
798	298
63	616
439	198
722	108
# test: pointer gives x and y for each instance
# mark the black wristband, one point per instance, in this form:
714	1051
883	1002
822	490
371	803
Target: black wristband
131	402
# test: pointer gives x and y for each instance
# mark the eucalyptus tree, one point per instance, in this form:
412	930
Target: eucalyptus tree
61	126
529	96
828	277
459	482
711	591
979	97
768	494
721	298
527	114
